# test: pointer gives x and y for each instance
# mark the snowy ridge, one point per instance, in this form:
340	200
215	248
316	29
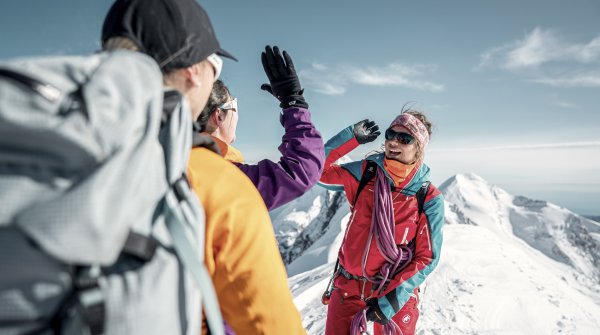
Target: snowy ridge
298	225
509	265
556	232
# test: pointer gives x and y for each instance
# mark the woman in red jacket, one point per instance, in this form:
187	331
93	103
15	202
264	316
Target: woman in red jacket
393	240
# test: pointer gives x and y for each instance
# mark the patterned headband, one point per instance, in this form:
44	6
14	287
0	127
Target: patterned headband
414	125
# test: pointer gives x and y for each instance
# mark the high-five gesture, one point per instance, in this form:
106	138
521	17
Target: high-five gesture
283	80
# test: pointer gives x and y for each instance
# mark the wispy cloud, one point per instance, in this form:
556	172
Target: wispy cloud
590	79
554	100
550	58
539	47
335	80
565	145
328	88
318	66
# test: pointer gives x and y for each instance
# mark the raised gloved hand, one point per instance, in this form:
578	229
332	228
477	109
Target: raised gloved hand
284	84
366	131
374	313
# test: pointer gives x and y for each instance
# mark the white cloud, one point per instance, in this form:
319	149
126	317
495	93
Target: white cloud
548	58
589	79
334	81
587	53
321	79
395	75
329	88
318	66
539	47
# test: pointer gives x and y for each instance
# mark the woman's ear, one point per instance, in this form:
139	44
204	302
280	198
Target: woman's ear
217	117
221	114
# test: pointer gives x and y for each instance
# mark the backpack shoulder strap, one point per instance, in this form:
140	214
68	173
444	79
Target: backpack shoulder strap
421	194
188	251
367	175
171	99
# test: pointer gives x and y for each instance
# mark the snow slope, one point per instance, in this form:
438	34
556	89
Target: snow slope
509	265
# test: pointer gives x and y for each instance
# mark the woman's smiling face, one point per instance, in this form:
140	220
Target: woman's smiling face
404	153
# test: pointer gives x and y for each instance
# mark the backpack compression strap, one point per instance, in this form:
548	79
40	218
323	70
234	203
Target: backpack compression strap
46	91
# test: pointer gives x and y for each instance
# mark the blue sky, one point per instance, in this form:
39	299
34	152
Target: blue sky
512	86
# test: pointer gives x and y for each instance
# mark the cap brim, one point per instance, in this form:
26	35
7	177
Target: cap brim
224	53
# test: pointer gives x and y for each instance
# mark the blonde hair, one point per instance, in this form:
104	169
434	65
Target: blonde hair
117	43
125	43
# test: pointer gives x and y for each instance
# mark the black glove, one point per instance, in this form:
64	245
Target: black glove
374	313
366	131
284	84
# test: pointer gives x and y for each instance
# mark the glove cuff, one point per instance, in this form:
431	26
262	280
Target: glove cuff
294	100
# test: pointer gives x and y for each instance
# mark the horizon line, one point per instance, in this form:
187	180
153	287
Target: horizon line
525	146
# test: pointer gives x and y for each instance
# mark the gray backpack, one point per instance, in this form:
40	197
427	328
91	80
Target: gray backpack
99	230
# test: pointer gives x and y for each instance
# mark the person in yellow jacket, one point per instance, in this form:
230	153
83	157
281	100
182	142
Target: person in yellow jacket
241	252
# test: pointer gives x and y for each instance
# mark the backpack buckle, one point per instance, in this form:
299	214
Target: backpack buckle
89	298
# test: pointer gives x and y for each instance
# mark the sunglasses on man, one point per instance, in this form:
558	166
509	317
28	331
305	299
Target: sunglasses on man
401	137
231	104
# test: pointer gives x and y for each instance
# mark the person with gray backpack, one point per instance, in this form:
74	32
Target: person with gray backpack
100	232
240	249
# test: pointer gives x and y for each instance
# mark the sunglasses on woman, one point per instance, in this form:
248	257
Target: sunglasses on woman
401	137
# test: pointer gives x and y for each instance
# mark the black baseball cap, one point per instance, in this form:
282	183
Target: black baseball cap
176	33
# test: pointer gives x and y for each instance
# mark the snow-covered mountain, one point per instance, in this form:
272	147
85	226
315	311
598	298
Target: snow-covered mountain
509	265
301	223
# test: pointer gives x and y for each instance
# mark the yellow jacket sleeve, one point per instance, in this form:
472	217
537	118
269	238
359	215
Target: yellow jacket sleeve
241	252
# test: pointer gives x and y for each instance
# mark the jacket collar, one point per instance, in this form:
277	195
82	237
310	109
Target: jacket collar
413	181
228	152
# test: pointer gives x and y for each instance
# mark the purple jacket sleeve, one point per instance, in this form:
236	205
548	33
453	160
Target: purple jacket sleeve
300	165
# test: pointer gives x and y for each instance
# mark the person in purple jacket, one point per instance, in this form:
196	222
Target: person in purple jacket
302	148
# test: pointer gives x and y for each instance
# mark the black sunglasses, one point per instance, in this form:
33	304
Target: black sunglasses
403	138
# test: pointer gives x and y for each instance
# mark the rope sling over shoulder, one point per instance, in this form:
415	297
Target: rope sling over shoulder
369	173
